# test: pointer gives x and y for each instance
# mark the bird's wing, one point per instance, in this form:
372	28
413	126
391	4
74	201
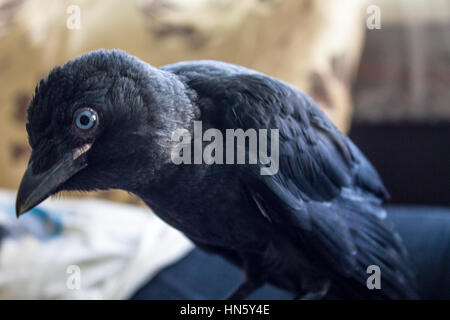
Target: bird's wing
326	194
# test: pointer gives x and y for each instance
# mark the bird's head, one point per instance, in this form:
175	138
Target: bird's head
100	121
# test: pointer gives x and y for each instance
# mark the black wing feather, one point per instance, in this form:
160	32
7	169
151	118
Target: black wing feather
326	196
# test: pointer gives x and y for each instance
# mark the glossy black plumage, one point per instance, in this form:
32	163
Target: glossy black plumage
317	224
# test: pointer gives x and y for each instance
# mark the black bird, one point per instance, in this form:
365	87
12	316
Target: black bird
105	120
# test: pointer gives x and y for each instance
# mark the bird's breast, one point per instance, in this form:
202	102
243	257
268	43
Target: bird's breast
216	216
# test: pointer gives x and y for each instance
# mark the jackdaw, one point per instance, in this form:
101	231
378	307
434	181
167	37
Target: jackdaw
315	227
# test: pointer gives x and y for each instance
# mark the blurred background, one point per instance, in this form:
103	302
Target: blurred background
402	100
380	70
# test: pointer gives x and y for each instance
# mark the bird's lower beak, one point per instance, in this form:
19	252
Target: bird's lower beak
35	188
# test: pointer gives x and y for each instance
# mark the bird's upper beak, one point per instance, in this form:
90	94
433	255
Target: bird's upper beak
35	188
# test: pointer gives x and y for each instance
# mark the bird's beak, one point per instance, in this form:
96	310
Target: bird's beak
35	188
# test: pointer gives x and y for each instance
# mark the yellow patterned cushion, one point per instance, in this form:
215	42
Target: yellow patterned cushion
313	44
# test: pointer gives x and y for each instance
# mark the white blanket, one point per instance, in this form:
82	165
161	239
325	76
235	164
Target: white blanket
82	249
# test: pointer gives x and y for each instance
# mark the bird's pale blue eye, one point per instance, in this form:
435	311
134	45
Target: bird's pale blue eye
85	119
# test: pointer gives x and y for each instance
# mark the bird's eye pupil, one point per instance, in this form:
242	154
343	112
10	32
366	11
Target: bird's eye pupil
85	119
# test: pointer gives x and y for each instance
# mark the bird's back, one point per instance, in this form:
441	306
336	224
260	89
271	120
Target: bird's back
326	197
